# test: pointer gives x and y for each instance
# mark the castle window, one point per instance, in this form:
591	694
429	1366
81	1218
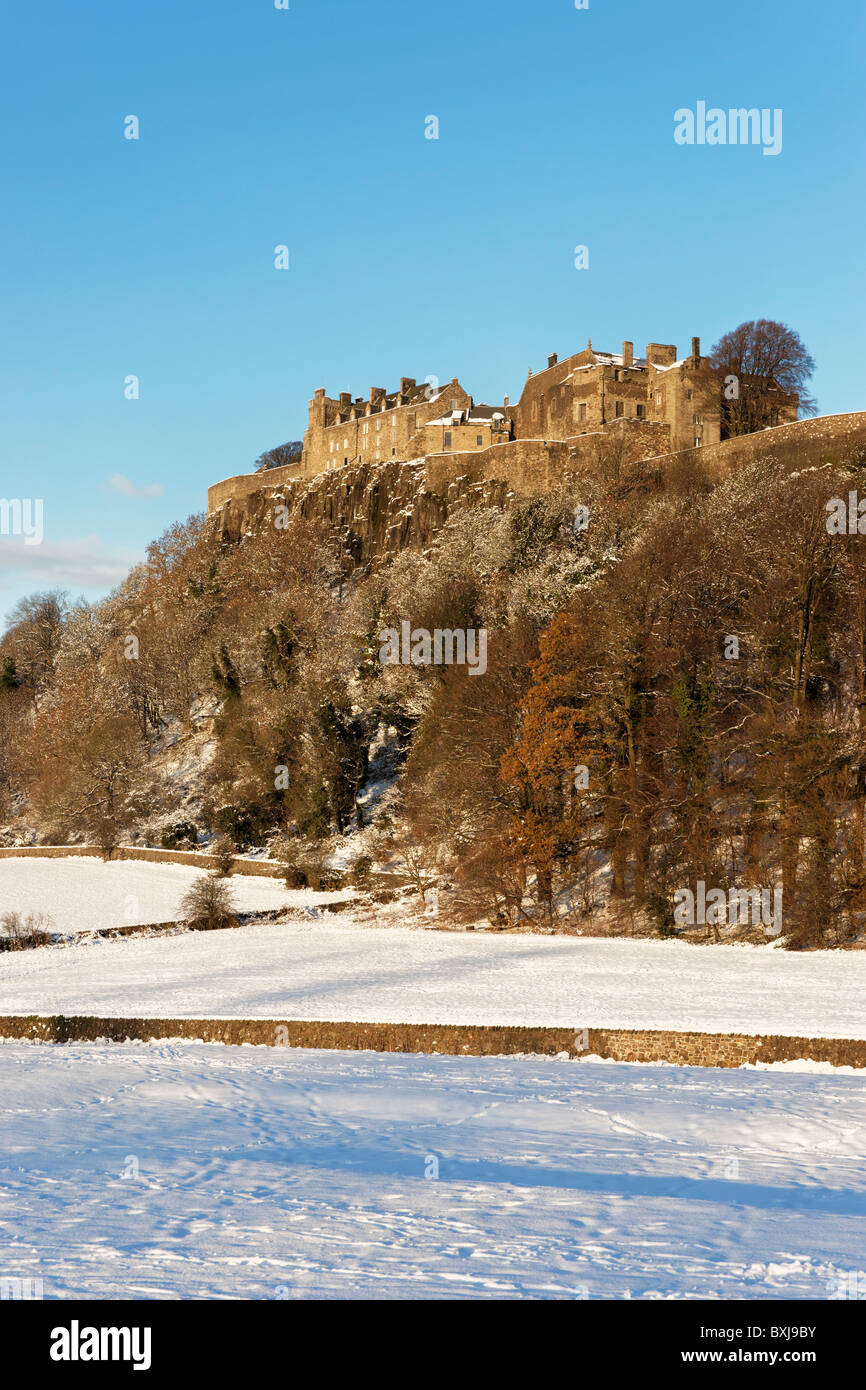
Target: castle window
688	395
697	441
447	439
641	409
697	419
618	409
479	440
581	411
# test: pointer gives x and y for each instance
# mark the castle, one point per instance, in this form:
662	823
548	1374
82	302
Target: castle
650	406
672	402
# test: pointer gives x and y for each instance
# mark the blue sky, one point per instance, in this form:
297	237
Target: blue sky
409	256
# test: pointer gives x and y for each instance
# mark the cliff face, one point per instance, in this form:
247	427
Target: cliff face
376	509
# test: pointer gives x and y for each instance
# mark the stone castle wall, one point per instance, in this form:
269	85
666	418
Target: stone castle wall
825	438
393	504
246	484
530	466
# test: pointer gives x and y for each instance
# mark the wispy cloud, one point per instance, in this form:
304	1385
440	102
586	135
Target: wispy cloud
119	482
86	564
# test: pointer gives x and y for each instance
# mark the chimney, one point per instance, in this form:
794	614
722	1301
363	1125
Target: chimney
506	402
696	351
552	360
345	400
627	354
661	354
405	383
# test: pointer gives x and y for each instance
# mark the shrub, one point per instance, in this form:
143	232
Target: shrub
330	880
311	862
179	834
311	867
104	831
18	933
244	825
660	912
304	864
361	870
224	852
286	851
207	904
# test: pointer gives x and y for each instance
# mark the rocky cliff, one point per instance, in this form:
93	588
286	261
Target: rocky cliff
376	510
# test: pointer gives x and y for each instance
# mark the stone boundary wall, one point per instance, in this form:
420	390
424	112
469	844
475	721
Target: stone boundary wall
252	867
536	465
241	919
808	441
618	1044
245	484
527	465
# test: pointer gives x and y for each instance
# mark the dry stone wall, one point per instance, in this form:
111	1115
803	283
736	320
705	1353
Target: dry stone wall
252	867
619	1044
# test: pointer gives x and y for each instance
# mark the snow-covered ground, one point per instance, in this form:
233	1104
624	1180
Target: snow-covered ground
259	1173
332	969
86	894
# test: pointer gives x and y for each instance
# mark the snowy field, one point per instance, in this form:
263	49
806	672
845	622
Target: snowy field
332	969
266	1174
86	894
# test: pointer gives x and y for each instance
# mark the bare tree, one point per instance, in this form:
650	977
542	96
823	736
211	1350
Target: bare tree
207	904
33	640
764	367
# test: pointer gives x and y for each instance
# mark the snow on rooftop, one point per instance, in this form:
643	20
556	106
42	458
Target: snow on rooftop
668	367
